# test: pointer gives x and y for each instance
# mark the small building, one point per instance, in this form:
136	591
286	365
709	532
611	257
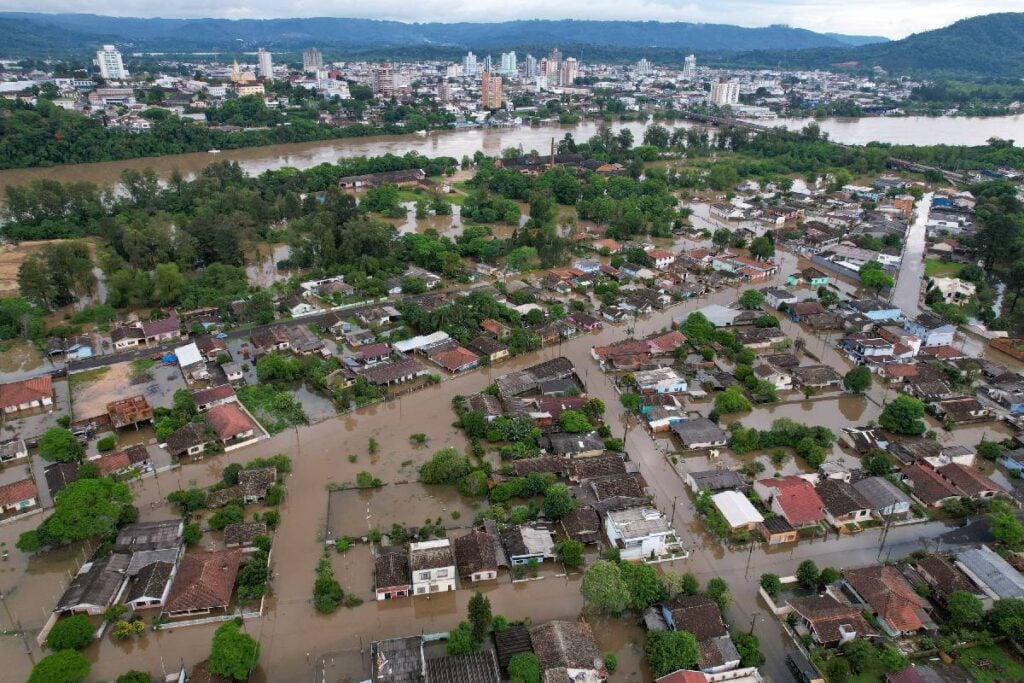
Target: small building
663	380
151	586
18	497
204	583
489	347
527	544
476	556
991	573
792	497
475	667
738	511
190	440
931	330
582	524
843	504
777	297
244	534
829	622
817	377
205	399
129	412
26	394
776	530
231	424
700	433
432	564
14	449
893	601
391	575
638	532
565	646
885	498
95	586
944	578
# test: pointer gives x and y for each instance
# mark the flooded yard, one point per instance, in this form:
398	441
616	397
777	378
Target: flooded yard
93	389
354	512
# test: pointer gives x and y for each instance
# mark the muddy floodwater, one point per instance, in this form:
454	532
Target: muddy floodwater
300	645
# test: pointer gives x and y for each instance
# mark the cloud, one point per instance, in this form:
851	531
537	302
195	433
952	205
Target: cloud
895	18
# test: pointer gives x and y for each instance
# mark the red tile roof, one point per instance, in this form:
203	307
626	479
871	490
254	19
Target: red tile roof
25	391
15	492
217	393
967	479
109	464
228	420
454	359
800	503
891	597
204	581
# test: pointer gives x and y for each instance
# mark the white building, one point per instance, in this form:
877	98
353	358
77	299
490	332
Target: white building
725	93
690	67
530	67
638	533
433	566
569	71
312	60
643	67
469	65
109	61
953	289
265	64
737	510
509	63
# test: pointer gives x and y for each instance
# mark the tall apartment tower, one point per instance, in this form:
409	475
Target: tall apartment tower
725	93
569	72
643	67
490	91
555	60
382	80
530	66
312	60
690	67
109	61
264	64
509	63
487	64
469	65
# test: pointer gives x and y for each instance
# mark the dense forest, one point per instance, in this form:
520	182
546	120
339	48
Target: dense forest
46	135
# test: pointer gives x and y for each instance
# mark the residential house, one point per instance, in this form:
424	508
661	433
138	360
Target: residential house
391	575
204	583
792	497
302	340
875	309
527	544
802	310
776	530
714	480
13	449
489	347
962	410
573	445
190	440
829	622
931	330
151	586
397	372
475	667
191	363
737	510
211	348
663	258
893	601
126	337
510	642
813	277
952	290
244	534
928	486
233	372
267	339
969	481
93	589
253	483
129	412
373	354
205	399
566	651
701	617
433	566
660	381
476	556
18	497
582	524
498	329
297	307
231	424
843	503
638	533
161	331
26	394
777	297
944	578
821	377
996	577
700	433
782	381
885	498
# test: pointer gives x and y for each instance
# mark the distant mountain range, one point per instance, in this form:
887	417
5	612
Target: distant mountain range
984	46
26	32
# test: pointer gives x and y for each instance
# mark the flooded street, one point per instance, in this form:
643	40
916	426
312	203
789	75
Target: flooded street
907	292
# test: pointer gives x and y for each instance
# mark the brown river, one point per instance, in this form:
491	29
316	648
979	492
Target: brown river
898	130
300	645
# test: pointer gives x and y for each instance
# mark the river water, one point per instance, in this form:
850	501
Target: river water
902	130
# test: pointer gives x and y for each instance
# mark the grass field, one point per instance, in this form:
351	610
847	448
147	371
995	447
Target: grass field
934	267
990	664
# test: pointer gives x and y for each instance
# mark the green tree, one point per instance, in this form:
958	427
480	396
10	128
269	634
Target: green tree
557	502
188	500
461	641
990	450
593	408
168	284
522	258
192	533
232	653
771	583
762	248
631	401
807	574
645	588
752	299
60	445
134	676
1007	618
1006	528
903	415
858	380
872	275
86	508
72	633
828	576
749	648
964	609
479	616
524	668
66	666
718	590
446	466
731	400
697	328
668	651
861	654
570	553
604	587
837	670
574	422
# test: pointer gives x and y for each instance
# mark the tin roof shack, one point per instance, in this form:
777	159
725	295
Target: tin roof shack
714	480
476	667
737	510
638	532
398	660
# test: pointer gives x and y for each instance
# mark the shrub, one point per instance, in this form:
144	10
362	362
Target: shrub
524	667
365	480
107	443
72	633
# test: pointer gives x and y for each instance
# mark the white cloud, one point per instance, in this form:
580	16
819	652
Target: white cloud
895	18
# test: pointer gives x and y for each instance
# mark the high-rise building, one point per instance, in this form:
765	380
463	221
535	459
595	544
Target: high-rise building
312	60
555	60
530	66
690	67
643	67
264	64
490	91
469	65
509	63
453	71
109	61
487	64
725	93
569	72
382	79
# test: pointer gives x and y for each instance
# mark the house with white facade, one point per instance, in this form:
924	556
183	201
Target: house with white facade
638	533
432	564
660	381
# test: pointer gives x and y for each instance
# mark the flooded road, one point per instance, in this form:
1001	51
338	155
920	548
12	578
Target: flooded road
914	130
907	292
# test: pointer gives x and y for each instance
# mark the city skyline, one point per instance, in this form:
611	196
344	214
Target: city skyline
873	17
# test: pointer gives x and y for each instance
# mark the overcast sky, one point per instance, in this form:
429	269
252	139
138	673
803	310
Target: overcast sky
892	18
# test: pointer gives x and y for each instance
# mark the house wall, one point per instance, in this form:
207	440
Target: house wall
393	592
437	580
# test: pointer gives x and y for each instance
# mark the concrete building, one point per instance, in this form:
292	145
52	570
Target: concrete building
690	67
433	566
109	60
382	80
490	91
469	65
265	64
725	93
638	533
530	66
568	71
509	63
312	60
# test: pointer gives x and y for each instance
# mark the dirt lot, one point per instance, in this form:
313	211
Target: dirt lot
11	257
92	390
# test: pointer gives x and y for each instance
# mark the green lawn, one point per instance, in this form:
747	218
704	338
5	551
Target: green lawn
934	267
990	664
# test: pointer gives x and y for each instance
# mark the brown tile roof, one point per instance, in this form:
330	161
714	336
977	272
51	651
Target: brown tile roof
616	485
192	434
15	492
454	359
841	498
597	466
510	642
697	614
431	558
967	479
243	533
800	503
391	568
151	581
168	325
475	552
228	420
255	482
944	578
928	485
110	464
566	644
826	615
204	581
544	463
25	391
889	595
217	393
582	524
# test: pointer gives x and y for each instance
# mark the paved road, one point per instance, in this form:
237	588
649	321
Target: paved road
907	292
